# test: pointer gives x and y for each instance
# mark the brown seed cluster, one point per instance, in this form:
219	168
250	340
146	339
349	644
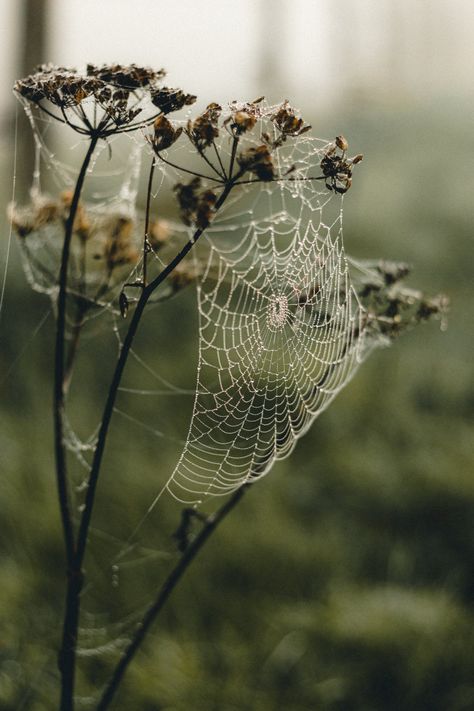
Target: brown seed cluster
117	93
196	204
164	134
257	161
169	100
257	133
205	128
119	247
337	168
392	307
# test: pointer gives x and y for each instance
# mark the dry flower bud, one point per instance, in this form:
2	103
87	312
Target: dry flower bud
204	129
288	123
337	168
196	207
258	161
341	143
164	134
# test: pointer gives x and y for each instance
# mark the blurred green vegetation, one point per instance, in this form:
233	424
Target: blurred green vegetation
344	580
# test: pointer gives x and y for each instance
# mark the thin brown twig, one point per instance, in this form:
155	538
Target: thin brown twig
146	241
210	525
187	170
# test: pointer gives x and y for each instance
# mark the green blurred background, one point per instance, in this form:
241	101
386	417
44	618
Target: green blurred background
344	581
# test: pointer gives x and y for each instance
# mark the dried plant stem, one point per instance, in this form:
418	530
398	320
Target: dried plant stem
210	525
146	242
67	652
74	344
76	575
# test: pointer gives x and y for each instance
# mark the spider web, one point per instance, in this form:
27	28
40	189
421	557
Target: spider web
281	329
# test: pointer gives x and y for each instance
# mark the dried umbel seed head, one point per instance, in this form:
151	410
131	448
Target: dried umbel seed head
196	205
126	76
82	223
205	128
119	249
257	161
341	143
41	212
164	134
286	121
105	100
168	100
240	121
337	168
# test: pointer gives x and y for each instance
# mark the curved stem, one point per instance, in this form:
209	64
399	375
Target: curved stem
68	647
210	525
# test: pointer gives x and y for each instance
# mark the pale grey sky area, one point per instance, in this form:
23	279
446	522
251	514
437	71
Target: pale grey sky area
307	50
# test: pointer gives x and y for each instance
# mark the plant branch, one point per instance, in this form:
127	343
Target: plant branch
232	155
146	242
187	170
283	179
210	525
67	652
59	368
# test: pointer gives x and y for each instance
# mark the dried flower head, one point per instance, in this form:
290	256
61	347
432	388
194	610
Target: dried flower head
164	134
168	100
288	123
258	161
119	248
241	119
196	205
82	223
392	307
104	100
27	220
337	168
205	128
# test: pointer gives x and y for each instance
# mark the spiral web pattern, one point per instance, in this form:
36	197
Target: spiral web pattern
281	331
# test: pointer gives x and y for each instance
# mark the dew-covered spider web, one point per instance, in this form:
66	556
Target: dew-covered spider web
280	334
281	328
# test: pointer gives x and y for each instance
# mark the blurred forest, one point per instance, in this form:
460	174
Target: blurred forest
344	580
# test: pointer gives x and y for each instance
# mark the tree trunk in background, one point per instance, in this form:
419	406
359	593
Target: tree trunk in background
32	34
